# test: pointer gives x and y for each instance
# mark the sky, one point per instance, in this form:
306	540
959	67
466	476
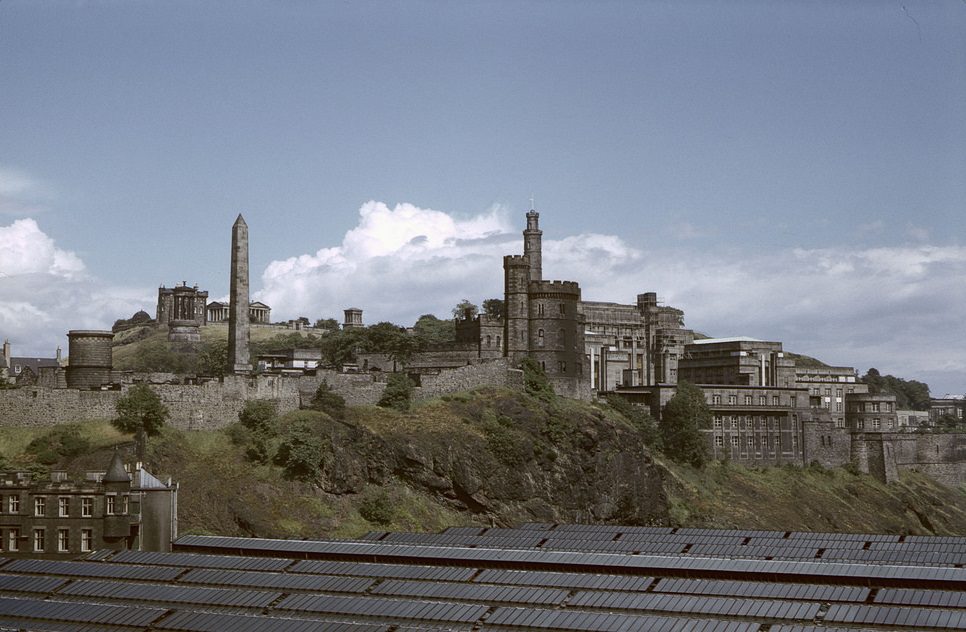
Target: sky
790	171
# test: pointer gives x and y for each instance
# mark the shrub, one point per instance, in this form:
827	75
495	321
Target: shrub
685	413
398	394
377	508
61	442
301	454
328	401
535	380
639	418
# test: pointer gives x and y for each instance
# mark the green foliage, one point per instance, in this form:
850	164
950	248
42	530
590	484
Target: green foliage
61	442
398	394
157	356
509	445
433	331
328	401
258	421
493	307
213	358
535	380
685	413
339	348
465	309
392	340
329	324
376	507
140	411
259	415
301	453
909	394
639	418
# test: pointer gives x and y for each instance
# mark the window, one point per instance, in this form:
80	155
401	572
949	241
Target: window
63	540
562	366
794	401
87	507
774	400
734	441
40	506
111	502
840	422
719	442
892	424
540	309
488	340
63	507
87	540
838	407
563	309
498	341
762	400
717	422
751	442
732	400
39	538
860	424
838	392
539	337
13	540
715	400
14	504
747	400
828	392
876	423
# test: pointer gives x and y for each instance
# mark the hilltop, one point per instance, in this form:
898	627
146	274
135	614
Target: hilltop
499	457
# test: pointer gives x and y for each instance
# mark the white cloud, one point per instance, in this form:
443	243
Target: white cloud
46	292
898	309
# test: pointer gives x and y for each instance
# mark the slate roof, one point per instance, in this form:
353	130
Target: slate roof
535	577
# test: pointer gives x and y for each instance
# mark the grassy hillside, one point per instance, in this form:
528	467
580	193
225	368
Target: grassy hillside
494	457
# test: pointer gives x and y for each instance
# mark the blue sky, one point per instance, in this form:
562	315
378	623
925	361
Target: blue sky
789	171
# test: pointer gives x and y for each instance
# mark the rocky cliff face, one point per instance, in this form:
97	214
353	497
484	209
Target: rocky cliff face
503	457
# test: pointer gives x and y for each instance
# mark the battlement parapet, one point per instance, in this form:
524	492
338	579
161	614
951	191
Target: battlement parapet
558	289
516	261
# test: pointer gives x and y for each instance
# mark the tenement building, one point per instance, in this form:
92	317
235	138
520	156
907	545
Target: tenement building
60	518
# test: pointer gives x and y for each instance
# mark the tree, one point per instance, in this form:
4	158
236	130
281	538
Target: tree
493	307
259	418
328	401
339	348
398	394
909	394
433	331
330	324
141	412
465	309
301	454
685	413
213	358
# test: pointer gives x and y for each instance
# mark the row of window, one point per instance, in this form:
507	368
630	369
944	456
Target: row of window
756	442
39	540
727	422
111	505
562	309
872	407
749	400
876	424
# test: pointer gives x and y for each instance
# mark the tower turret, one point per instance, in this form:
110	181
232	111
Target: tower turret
532	245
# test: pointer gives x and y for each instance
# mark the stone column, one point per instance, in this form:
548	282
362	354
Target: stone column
238	326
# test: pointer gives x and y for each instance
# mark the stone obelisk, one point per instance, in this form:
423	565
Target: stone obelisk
238	324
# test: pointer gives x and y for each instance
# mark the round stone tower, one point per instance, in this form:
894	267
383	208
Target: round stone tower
90	358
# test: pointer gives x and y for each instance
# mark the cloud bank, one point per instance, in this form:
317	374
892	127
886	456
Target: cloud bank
47	291
898	309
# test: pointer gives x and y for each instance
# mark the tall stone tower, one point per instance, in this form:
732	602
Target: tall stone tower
238	326
532	245
516	306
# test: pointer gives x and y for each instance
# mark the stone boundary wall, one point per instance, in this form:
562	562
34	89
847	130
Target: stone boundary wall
216	404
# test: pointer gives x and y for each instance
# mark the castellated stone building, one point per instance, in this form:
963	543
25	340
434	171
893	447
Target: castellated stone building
542	319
